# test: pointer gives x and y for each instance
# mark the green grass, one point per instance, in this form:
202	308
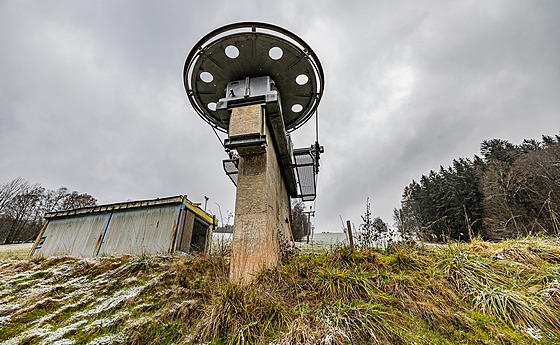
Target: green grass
471	293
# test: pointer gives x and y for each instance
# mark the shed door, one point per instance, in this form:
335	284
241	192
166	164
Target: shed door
187	226
199	235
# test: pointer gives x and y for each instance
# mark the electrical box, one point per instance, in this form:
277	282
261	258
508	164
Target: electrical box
247	92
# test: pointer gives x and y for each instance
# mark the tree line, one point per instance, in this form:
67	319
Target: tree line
509	191
23	206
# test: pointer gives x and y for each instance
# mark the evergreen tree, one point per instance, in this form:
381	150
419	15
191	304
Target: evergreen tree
300	224
372	231
512	190
447	204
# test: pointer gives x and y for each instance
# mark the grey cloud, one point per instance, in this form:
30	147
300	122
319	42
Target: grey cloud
92	97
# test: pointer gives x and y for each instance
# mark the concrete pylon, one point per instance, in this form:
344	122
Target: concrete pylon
262	204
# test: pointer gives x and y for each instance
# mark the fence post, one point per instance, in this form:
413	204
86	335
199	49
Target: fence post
350	234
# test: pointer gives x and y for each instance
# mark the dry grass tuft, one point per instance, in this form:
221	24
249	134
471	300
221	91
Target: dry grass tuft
299	333
514	308
473	293
240	315
343	283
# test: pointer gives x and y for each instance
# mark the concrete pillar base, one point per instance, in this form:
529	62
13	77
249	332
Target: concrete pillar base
262	205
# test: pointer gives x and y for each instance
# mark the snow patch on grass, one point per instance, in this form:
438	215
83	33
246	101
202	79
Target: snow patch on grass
143	305
4	308
35	332
107	321
534	333
107	303
60	332
64	342
4	320
108	339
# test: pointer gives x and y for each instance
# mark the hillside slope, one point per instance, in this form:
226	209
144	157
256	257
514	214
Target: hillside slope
477	293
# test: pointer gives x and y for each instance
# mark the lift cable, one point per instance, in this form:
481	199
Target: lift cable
317	125
219	139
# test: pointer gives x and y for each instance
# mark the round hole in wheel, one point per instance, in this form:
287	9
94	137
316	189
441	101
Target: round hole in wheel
275	53
206	77
302	79
232	52
212	106
296	108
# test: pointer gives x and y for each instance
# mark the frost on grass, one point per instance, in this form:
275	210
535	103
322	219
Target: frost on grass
107	321
332	334
85	296
4	320
48	333
139	321
67	298
551	291
534	333
107	301
8	307
64	342
143	305
108	339
39	332
104	303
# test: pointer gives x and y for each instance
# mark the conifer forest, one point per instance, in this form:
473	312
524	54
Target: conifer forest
510	190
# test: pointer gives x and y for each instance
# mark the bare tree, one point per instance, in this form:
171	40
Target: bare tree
9	190
23	206
501	214
405	219
78	200
538	176
24	209
522	197
54	200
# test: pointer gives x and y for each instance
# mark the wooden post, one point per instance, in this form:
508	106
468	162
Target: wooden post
350	234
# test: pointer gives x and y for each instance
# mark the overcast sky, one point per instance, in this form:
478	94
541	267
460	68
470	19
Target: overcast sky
91	93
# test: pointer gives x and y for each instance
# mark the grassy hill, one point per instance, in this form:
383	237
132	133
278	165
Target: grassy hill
476	293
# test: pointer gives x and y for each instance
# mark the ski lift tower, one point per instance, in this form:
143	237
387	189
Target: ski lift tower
258	83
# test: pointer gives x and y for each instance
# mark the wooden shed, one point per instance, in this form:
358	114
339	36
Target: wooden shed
165	225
